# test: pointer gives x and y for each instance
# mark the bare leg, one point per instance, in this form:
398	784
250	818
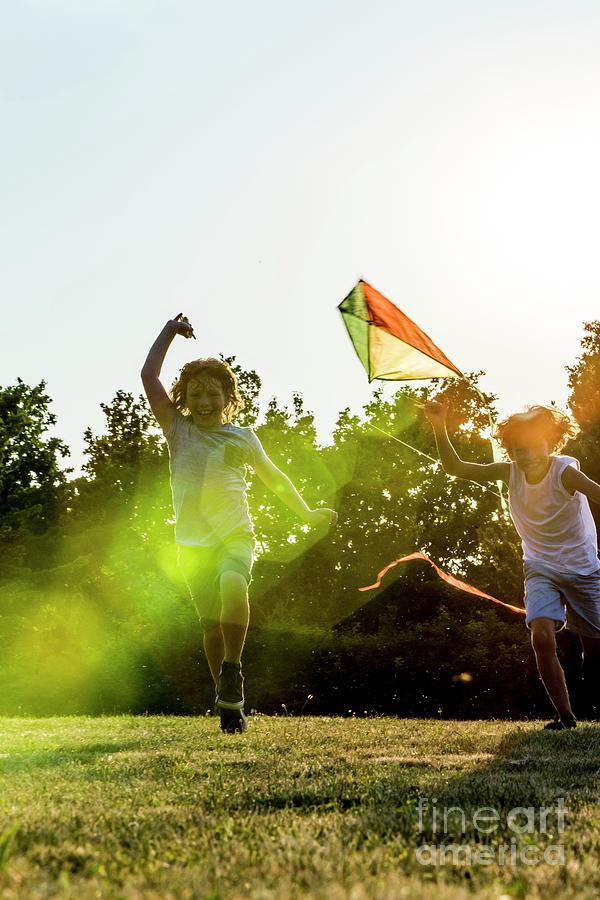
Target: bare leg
543	640
213	647
235	615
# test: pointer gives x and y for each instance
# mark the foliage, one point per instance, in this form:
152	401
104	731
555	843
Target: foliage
126	467
584	401
94	616
31	481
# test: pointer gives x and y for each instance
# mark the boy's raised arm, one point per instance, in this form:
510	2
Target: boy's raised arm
452	463
158	398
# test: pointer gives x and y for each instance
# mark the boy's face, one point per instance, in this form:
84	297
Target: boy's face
531	457
205	400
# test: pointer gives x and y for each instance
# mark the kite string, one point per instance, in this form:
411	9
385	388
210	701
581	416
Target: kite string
430	458
496	456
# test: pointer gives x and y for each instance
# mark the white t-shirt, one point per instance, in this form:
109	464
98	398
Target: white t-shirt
208	468
555	527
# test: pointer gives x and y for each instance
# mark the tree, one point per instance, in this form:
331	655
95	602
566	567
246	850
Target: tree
393	500
284	541
127	470
32	482
117	455
584	401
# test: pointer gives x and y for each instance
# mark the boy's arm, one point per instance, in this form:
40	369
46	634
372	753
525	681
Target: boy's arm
278	482
452	463
574	480
158	398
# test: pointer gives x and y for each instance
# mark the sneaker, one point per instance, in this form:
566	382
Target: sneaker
233	721
230	691
560	724
230	699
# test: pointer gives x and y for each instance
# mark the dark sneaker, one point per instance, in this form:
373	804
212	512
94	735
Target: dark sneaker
233	721
561	724
230	691
230	699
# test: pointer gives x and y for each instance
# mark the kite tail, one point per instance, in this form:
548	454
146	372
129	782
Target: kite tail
449	579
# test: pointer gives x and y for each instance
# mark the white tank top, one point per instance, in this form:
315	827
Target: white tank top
555	527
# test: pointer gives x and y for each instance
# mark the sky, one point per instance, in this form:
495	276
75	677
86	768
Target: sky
246	163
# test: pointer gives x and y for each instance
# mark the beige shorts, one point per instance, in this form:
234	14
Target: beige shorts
202	568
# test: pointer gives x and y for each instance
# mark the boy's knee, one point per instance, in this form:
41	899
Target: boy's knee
233	585
543	636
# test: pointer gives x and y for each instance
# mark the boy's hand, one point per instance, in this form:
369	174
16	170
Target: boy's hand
437	412
181	325
321	517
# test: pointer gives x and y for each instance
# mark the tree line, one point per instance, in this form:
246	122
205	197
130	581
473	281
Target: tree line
94	616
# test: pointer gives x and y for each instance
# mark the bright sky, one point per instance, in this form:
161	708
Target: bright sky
246	162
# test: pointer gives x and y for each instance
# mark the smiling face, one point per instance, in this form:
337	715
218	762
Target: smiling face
532	458
205	399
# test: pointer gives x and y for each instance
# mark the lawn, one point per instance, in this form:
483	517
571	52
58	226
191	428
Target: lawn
298	807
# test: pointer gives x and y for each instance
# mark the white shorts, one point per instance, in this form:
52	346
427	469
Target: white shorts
563	596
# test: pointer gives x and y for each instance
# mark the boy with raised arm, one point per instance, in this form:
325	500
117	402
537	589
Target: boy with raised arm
208	456
548	500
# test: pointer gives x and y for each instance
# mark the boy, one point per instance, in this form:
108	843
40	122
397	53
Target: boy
548	499
208	457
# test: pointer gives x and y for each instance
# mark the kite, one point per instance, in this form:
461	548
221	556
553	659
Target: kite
391	346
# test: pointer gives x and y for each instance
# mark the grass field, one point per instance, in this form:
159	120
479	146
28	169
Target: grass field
170	807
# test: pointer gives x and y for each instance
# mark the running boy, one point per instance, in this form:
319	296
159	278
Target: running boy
213	530
548	499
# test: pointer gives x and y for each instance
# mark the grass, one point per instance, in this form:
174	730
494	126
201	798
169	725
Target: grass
298	807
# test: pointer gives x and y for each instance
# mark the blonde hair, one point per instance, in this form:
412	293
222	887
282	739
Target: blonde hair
216	369
543	423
